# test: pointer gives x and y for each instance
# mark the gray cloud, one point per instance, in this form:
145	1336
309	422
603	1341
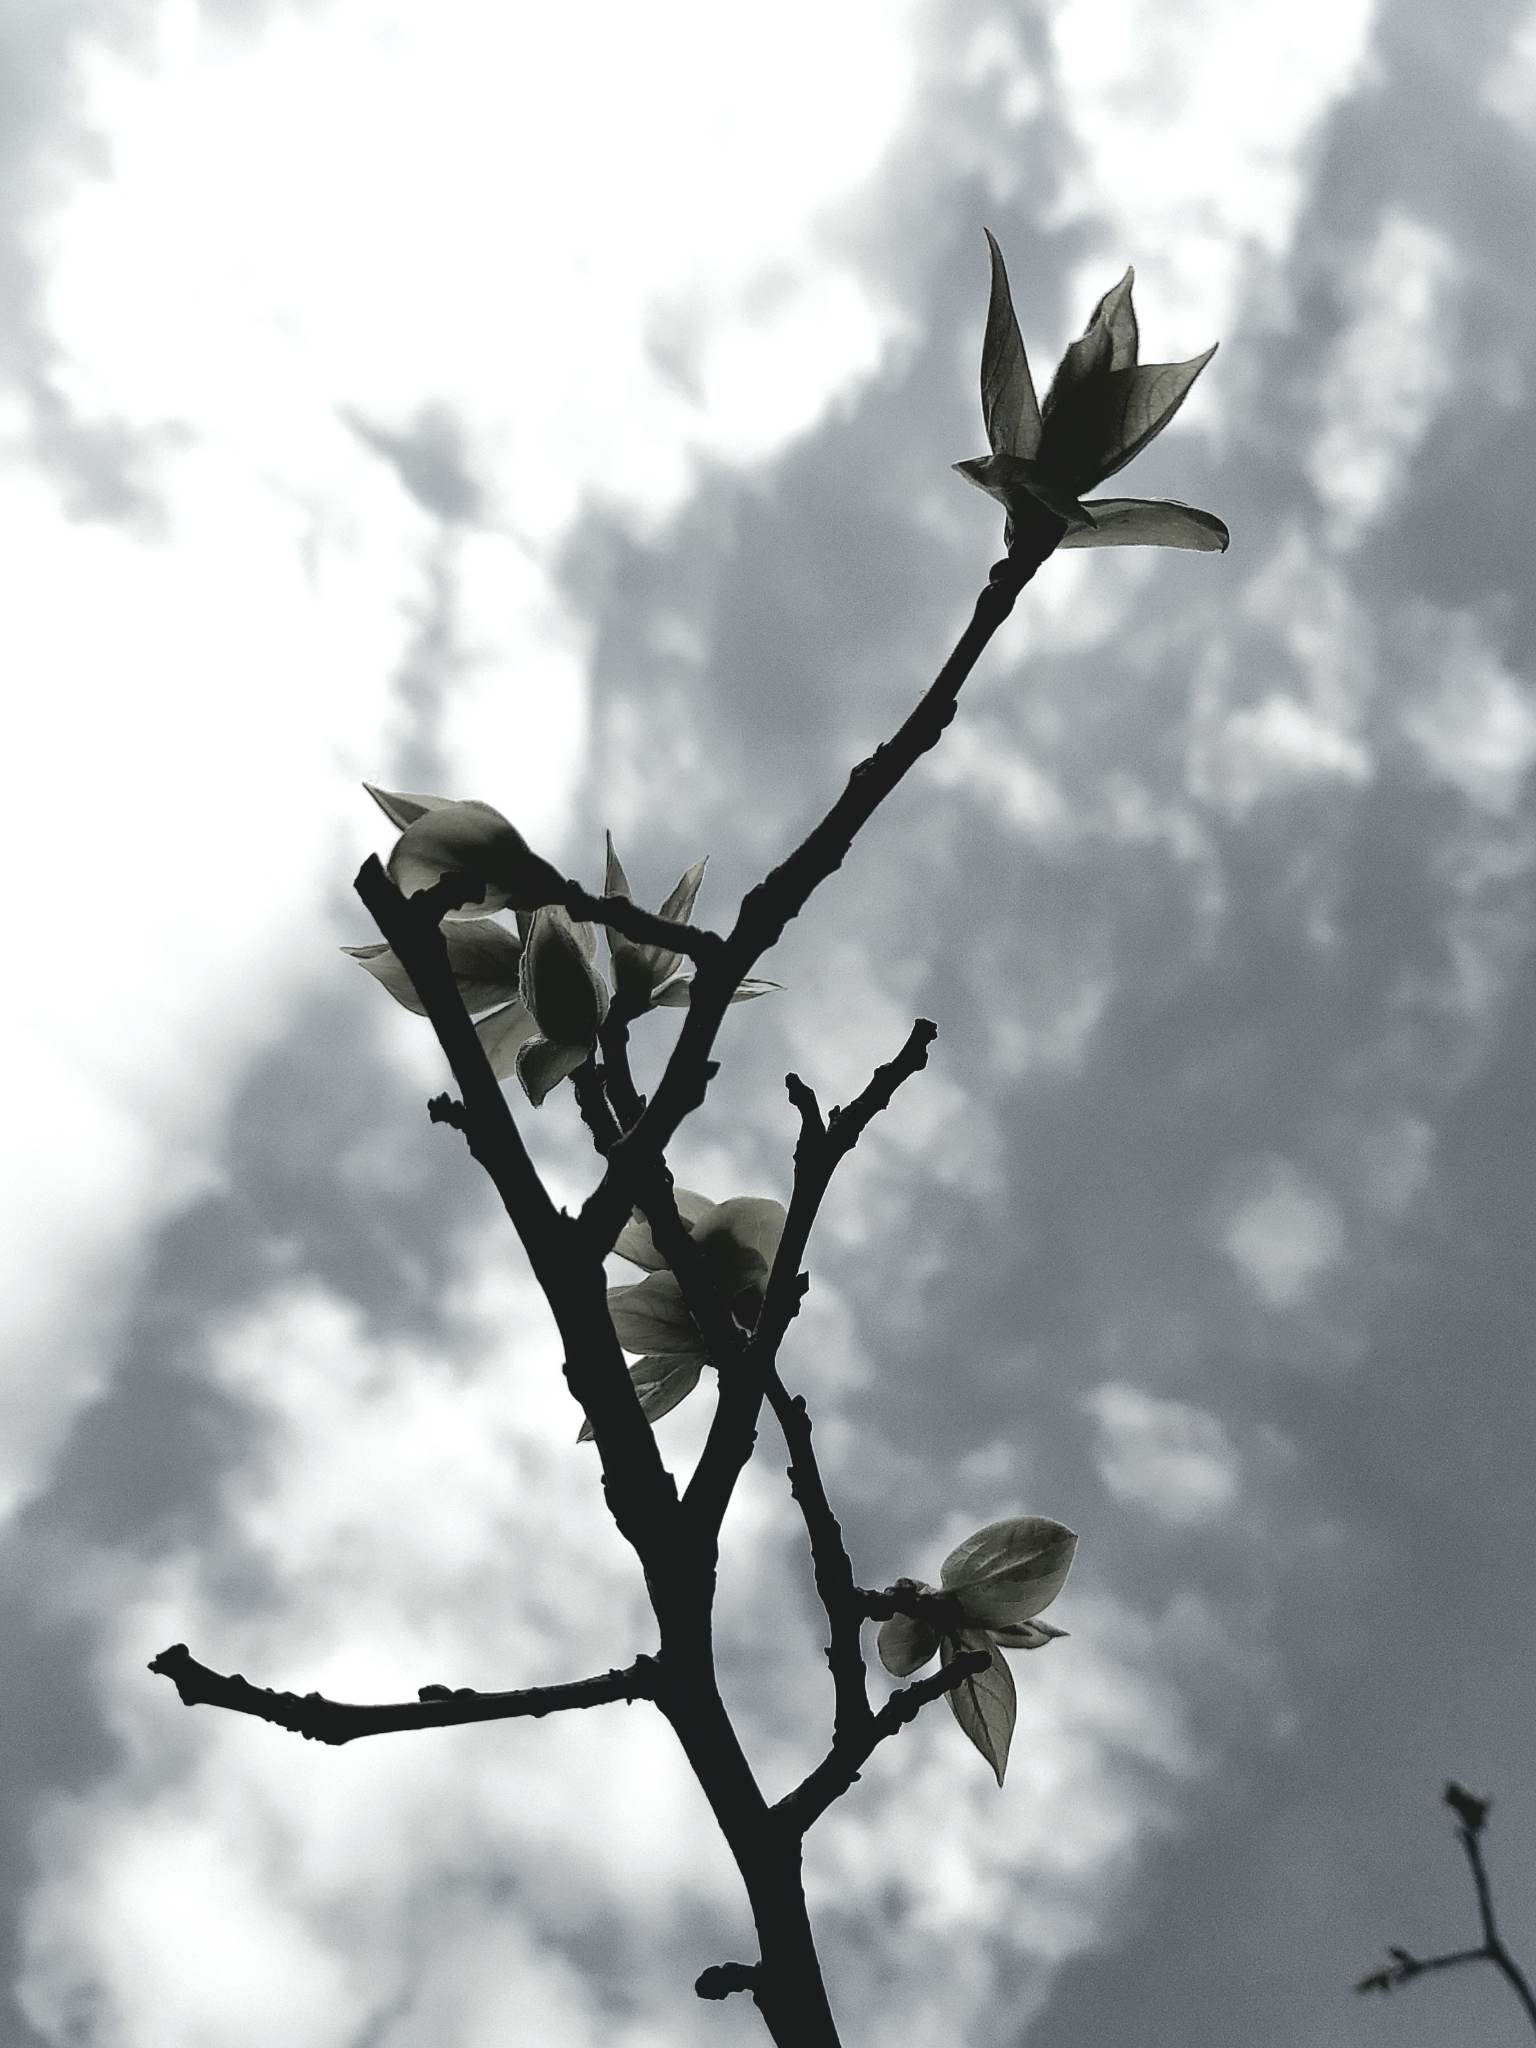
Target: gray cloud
1276	1000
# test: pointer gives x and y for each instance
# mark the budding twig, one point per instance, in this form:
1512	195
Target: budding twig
784	893
697	942
819	1151
1472	1818
839	1769
318	1719
639	1490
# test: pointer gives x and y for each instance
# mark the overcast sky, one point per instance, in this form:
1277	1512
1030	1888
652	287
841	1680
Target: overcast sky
555	408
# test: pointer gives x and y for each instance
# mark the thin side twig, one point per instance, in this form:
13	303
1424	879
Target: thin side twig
821	1147
319	1719
1472	1818
643	926
839	1769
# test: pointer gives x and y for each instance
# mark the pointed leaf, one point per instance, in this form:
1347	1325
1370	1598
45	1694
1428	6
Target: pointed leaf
1116	313
660	1383
473	839
632	975
754	1223
1082	369
559	984
1026	1635
678	994
486	960
986	1706
615	881
650	1317
1011	1570
1008	405
1015	482
403	807
542	1065
906	1644
663	961
484	957
503	1034
383	963
678	908
1148	523
635	1242
1099	430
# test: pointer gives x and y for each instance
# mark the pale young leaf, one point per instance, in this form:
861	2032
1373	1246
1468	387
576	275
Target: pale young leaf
403	807
1149	523
660	1383
986	1705
503	1034
1008	406
906	1644
542	1065
635	1242
1011	1570
650	1317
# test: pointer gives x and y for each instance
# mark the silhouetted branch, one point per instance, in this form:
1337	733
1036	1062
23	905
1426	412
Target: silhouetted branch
783	894
637	1486
821	1146
830	1562
839	1769
1472	1818
643	926
721	1979
318	1719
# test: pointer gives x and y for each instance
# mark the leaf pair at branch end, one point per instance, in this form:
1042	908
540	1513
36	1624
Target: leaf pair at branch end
1102	409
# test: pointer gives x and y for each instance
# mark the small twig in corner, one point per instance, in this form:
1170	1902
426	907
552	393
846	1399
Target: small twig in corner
1472	1816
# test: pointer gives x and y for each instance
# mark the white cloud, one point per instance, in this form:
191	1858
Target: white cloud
1509	87
1387	374
1193	127
353	210
1472	720
1271	749
1176	1461
1284	1233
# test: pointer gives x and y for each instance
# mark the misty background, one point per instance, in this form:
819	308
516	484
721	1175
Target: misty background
557	409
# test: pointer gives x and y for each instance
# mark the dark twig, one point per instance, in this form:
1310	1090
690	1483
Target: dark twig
639	1490
413	928
337	1721
839	1769
818	1152
1472	1818
721	1979
830	1563
697	942
783	894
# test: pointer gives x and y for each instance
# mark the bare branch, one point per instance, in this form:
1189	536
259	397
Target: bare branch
721	1979
1472	1818
640	1492
783	894
318	1719
413	928
830	1563
839	1769
643	926
820	1148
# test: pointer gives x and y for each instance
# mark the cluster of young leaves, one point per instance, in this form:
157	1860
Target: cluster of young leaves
736	1242
534	988
1103	408
991	1588
500	952
540	1000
